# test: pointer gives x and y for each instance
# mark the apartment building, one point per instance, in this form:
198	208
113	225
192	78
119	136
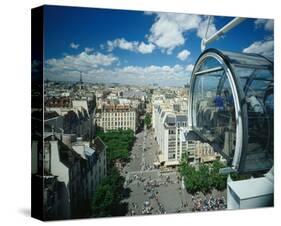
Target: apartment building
168	134
170	129
71	175
116	116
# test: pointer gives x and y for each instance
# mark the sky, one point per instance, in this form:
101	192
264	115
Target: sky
136	47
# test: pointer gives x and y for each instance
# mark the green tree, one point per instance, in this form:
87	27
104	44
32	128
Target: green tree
119	144
147	120
204	178
107	200
218	180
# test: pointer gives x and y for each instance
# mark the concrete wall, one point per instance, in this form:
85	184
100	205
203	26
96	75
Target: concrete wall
250	193
57	167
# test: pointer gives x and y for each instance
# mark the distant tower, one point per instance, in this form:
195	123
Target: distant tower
80	83
81	78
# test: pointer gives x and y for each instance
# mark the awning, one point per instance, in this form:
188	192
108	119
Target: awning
172	163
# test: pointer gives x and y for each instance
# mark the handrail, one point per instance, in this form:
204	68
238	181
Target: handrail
220	32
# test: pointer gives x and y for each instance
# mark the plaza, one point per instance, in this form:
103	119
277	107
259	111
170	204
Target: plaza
159	190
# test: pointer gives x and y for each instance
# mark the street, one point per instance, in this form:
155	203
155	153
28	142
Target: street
154	191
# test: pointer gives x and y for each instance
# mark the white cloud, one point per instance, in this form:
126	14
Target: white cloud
163	75
74	46
202	27
267	24
134	46
265	48
88	50
153	70
84	62
122	44
167	33
183	55
168	30
189	67
146	48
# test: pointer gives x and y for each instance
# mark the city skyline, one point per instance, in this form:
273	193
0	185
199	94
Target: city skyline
136	47
115	133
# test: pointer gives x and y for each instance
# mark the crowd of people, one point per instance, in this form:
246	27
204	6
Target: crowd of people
150	189
208	203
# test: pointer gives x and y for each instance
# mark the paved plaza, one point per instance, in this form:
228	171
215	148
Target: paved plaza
154	191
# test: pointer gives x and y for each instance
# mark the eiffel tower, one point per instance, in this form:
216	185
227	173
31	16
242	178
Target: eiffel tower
81	78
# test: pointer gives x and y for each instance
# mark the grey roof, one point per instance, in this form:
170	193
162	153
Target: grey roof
98	145
162	114
67	155
243	189
89	151
191	135
170	95
133	94
170	120
181	118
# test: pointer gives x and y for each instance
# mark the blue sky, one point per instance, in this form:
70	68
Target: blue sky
136	47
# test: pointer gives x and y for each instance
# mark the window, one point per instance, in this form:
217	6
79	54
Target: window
213	110
236	102
171	131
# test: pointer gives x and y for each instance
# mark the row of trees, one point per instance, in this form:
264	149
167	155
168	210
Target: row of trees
107	200
204	178
147	120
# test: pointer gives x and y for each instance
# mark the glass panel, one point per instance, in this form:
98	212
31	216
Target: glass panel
213	112
264	74
257	84
247	59
259	97
209	63
244	72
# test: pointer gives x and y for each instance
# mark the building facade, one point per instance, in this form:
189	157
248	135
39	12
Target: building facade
112	117
71	175
170	129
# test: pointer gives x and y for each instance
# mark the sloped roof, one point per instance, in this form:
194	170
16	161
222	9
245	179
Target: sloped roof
170	120
67	155
98	145
89	151
191	135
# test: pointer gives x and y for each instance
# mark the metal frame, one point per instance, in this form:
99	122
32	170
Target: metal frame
238	96
215	69
221	32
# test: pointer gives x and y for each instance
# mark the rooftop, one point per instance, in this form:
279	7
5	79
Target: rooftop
116	107
243	189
